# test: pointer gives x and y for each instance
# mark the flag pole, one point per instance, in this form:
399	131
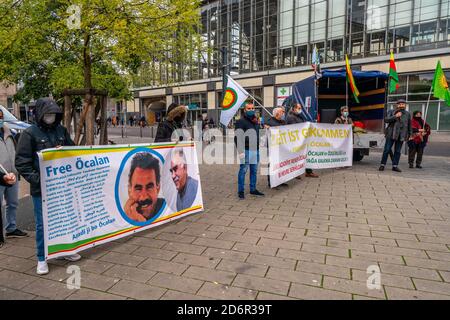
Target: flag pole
346	91
254	99
428	103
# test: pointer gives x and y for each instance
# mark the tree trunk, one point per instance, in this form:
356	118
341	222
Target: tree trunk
103	124
88	114
68	113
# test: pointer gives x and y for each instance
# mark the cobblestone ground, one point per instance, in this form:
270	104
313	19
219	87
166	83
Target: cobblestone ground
312	240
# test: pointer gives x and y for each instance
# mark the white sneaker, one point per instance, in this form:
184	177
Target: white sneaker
42	268
72	257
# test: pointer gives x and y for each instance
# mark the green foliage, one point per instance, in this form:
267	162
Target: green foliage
114	40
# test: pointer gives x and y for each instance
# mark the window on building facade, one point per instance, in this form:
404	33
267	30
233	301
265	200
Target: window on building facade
269	34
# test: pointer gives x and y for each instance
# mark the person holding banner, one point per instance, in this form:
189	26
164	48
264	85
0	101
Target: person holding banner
46	133
247	144
398	131
278	119
296	115
344	117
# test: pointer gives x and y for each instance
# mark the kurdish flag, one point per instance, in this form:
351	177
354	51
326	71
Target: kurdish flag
393	76
233	99
440	85
351	80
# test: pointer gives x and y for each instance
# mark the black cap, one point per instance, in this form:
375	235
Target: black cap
401	101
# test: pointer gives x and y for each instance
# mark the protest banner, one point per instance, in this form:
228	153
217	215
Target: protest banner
93	195
295	147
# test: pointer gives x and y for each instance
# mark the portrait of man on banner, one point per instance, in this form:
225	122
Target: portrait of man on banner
186	185
144	184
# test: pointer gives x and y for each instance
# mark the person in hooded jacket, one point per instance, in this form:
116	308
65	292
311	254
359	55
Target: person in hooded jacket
174	121
46	133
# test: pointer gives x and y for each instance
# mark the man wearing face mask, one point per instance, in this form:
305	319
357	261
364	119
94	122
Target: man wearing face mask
278	118
10	193
344	118
246	140
398	131
174	121
46	133
295	115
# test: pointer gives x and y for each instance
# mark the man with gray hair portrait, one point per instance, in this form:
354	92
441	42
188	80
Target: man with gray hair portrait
185	184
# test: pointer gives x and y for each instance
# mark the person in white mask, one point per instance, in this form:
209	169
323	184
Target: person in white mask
344	118
46	133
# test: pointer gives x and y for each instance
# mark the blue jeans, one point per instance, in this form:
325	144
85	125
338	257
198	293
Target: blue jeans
40	249
388	149
12	201
251	160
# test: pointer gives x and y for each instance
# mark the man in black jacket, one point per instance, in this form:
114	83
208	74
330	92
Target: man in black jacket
174	121
295	115
398	131
247	143
46	133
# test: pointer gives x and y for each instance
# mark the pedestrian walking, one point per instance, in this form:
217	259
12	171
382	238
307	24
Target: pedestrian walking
398	130
419	139
11	192
142	122
46	133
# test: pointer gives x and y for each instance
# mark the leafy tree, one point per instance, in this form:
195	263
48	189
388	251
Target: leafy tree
52	45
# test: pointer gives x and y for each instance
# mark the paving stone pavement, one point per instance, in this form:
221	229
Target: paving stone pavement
312	240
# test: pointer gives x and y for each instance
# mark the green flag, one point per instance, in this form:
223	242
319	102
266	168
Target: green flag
440	85
393	75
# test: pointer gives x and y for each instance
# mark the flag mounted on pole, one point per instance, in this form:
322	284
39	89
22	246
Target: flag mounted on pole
440	85
351	80
233	99
393	76
315	63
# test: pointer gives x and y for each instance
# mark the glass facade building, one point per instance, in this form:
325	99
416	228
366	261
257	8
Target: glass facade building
263	36
272	34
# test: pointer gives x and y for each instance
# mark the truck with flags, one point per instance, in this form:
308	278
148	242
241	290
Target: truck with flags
322	97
